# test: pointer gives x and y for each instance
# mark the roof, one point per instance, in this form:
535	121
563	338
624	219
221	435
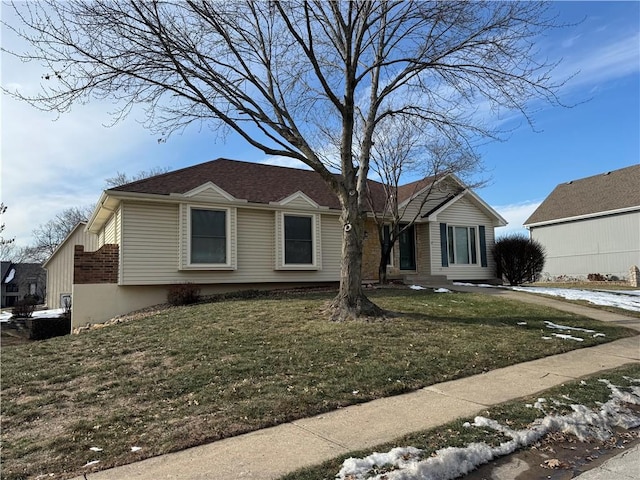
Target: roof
609	192
255	183
4	269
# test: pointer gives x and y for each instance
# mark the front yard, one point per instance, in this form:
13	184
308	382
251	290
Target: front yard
196	374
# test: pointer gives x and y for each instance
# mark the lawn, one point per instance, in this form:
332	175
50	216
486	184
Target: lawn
589	392
196	374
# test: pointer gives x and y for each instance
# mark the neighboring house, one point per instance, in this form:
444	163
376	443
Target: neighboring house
20	280
59	265
226	225
591	225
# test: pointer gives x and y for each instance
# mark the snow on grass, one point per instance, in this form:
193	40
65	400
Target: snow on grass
442	290
407	463
417	287
625	299
55	312
566	327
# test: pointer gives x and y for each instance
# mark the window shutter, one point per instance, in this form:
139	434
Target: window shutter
443	245
483	246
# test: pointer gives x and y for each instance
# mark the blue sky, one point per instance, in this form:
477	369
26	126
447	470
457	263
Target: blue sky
50	164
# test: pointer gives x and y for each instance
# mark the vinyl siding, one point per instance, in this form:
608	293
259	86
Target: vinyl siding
435	197
110	233
60	266
463	213
151	248
605	245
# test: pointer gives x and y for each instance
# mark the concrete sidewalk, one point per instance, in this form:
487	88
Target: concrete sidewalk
624	466
270	453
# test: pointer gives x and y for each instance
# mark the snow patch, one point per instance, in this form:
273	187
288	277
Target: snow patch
10	275
417	287
55	312
442	290
625	299
407	463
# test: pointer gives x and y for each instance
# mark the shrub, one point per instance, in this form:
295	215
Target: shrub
24	308
596	277
518	258
183	294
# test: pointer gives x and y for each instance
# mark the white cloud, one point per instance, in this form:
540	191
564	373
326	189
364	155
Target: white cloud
515	214
607	62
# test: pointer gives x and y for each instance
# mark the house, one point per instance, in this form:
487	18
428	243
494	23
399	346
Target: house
226	225
20	280
591	225
59	265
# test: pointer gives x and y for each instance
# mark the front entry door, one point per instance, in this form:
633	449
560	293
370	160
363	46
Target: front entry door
407	241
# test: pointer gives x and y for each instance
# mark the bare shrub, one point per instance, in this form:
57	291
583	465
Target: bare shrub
518	259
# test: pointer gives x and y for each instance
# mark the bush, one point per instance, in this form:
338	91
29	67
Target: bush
518	259
596	277
183	294
24	308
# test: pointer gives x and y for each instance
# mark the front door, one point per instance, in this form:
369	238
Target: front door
407	241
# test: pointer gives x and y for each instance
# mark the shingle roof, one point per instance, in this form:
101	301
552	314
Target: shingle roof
255	182
610	191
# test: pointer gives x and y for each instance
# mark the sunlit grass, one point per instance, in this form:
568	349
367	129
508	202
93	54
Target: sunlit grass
196	374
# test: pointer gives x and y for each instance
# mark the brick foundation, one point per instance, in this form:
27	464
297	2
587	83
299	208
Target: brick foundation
100	266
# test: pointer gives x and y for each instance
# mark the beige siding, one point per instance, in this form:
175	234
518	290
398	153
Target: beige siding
606	245
435	197
60	266
463	213
151	249
110	232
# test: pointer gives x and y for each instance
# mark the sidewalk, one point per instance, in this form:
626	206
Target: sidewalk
269	453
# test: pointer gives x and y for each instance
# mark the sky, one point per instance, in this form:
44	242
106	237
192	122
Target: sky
50	163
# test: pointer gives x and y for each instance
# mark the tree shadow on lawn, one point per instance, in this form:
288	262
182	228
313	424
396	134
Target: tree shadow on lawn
517	325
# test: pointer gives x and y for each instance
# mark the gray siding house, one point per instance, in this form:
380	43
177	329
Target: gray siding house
591	225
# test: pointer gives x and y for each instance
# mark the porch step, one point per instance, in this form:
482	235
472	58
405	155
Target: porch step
426	280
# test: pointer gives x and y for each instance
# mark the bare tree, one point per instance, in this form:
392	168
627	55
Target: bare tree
400	149
297	79
48	236
5	243
121	178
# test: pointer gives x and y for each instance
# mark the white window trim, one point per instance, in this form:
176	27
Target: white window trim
229	264
314	243
477	252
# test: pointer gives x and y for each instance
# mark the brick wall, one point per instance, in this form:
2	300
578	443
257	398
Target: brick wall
100	266
370	252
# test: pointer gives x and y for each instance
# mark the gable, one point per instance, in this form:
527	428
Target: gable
610	192
297	200
209	192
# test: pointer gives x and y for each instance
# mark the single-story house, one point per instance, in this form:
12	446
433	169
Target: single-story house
591	225
59	265
227	225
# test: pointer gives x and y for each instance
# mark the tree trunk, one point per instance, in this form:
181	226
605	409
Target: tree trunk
351	302
382	267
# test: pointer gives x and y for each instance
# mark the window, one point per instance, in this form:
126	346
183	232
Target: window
208	236
12	288
298	240
462	245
